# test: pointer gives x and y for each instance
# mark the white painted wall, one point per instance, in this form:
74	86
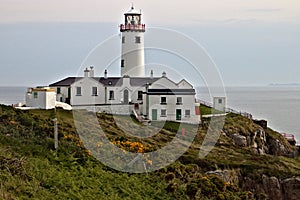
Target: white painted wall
219	103
63	94
133	54
86	97
45	98
188	103
111	109
184	84
163	83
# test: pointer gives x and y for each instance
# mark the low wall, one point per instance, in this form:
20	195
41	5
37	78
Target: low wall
110	109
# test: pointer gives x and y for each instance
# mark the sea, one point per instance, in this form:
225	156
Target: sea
279	105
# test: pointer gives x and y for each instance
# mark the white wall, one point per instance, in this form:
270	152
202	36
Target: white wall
133	54
188	103
43	100
219	103
163	83
111	109
86	97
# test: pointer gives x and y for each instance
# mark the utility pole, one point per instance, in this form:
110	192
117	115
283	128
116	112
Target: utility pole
55	134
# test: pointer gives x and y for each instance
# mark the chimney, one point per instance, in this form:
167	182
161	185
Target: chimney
151	74
164	74
105	73
86	72
92	72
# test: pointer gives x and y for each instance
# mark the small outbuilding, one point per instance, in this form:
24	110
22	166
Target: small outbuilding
41	97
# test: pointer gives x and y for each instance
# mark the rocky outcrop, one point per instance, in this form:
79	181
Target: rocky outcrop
231	176
276	147
272	187
239	140
291	188
255	140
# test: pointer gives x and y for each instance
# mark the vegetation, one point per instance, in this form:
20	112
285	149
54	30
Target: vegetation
205	110
30	167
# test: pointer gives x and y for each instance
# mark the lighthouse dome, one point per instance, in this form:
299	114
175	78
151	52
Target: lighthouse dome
133	11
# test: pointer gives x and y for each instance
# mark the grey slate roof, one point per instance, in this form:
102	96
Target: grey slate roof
66	82
111	81
142	81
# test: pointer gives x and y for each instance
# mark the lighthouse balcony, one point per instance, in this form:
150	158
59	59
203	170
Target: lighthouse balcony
130	27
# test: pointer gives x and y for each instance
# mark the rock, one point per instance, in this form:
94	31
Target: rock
272	187
231	176
276	148
258	141
239	140
291	188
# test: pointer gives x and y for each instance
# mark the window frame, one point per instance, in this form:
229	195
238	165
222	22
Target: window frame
111	95
78	91
138	39
187	112
163	102
179	101
94	91
220	101
163	114
140	95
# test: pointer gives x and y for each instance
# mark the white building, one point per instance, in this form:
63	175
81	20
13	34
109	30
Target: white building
219	103
153	98
42	98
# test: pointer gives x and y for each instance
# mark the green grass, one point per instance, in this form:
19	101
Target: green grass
205	110
30	167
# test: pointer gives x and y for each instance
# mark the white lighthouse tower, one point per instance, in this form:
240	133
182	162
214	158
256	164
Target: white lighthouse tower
132	58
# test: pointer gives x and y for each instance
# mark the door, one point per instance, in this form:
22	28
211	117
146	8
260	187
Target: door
154	114
178	114
126	97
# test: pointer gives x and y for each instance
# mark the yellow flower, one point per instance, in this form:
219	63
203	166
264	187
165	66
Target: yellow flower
88	152
99	144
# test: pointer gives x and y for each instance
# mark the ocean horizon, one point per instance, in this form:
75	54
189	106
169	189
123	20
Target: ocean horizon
279	105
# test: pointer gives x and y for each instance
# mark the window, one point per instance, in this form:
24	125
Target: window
94	91
220	101
137	39
179	101
123	39
187	113
35	95
78	91
122	63
140	95
111	95
163	100
58	90
163	113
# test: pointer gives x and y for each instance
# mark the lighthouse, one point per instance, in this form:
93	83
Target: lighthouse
132	37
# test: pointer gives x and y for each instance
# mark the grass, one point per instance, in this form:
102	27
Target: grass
30	167
205	110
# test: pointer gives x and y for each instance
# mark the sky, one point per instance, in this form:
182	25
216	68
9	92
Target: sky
252	42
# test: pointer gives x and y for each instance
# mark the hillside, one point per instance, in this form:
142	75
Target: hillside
247	162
